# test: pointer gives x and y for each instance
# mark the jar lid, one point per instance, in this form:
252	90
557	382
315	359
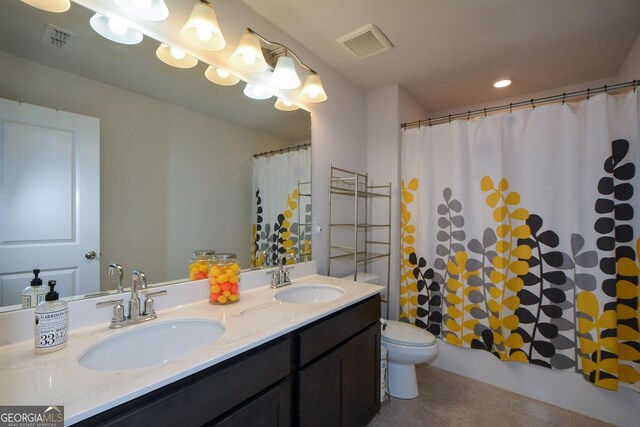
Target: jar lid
225	256
204	252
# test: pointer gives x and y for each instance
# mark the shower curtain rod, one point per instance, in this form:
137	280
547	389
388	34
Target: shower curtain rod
532	103
283	150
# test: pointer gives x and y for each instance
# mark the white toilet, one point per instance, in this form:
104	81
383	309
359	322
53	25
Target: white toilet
407	345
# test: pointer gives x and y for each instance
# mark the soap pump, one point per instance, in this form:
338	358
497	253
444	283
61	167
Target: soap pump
52	322
34	294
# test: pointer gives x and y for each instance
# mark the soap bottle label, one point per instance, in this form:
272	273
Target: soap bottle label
51	329
26	301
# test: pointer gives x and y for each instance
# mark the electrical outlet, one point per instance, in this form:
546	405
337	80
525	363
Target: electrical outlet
317	225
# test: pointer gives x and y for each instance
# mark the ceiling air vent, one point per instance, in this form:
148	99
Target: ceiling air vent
57	37
366	41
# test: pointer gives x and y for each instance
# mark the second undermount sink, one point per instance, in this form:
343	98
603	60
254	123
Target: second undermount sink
309	293
152	345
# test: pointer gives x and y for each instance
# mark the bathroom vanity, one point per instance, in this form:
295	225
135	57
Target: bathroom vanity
278	363
324	374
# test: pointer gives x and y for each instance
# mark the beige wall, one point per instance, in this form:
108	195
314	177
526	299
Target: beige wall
172	180
630	70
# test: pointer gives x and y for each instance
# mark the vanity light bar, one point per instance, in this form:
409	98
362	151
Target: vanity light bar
284	105
115	29
175	57
56	6
151	10
220	77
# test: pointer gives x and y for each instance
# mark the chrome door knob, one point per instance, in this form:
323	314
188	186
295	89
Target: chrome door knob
90	254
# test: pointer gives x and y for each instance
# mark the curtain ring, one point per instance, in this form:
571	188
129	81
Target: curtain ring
533	106
485	112
449	118
429	121
634	86
564	95
588	93
605	90
468	115
510	107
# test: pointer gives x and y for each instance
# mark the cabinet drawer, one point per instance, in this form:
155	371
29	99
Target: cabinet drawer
321	337
271	409
198	399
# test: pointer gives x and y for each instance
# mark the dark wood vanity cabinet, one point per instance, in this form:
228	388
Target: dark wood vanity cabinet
324	374
340	387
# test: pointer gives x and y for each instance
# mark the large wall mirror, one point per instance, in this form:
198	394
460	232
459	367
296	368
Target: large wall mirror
178	170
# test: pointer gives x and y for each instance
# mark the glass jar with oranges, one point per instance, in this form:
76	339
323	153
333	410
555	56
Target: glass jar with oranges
199	263
224	278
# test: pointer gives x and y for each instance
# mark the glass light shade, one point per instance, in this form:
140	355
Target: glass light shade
285	76
114	29
283	105
202	29
56	6
151	10
175	57
220	77
312	91
248	55
257	92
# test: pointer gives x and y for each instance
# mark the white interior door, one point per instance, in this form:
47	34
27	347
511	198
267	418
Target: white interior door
49	199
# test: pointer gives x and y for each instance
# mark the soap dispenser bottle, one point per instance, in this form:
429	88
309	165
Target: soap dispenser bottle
52	322
34	294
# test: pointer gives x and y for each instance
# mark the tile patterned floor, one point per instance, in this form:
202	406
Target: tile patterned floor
463	402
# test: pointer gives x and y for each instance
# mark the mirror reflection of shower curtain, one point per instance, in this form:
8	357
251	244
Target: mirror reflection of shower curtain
282	203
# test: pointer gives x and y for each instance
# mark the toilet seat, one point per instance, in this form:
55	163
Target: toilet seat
406	334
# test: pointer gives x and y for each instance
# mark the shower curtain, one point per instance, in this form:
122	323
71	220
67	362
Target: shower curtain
520	236
282	202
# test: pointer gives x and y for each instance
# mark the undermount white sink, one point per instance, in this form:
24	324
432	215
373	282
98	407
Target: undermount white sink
152	344
309	294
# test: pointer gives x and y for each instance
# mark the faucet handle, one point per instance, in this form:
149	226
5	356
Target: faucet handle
118	309
149	308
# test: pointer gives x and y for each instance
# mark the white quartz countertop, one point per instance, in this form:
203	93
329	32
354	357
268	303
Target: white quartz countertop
58	378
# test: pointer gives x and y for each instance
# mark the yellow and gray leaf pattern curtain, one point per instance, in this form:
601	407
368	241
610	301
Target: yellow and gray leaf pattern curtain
520	236
282	211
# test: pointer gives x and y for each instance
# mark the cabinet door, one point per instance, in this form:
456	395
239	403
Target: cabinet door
272	409
361	377
319	392
343	387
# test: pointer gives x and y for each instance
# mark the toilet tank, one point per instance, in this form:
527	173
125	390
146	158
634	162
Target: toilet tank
363	277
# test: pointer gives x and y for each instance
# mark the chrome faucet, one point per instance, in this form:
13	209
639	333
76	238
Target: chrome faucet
138	282
281	276
116	268
134	302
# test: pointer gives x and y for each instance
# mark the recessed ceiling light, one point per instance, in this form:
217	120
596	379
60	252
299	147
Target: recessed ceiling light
502	83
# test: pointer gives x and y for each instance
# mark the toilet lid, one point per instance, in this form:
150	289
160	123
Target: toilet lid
406	334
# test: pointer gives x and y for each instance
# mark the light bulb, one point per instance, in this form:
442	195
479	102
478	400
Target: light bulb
204	33
313	92
142	4
222	73
502	83
248	58
176	53
258	90
118	26
287	103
